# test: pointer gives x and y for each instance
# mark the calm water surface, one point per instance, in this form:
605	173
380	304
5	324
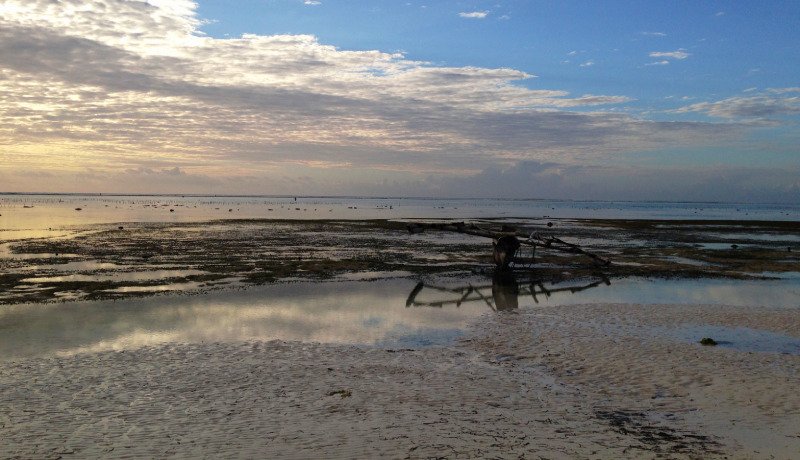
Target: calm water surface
389	313
22	214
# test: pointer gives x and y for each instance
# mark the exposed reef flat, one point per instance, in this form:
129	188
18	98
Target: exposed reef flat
136	259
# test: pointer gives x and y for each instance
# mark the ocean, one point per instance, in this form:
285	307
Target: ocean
20	212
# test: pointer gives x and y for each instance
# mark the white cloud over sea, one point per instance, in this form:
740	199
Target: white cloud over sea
107	90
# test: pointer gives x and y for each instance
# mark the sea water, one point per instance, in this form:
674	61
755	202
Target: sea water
21	214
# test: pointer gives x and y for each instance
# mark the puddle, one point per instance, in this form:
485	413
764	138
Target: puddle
373	275
27	288
116	276
187	286
67	295
771	237
736	338
39	256
78	266
687	261
722	246
780	275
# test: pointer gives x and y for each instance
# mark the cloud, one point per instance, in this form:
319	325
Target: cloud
474	14
312	2
175	171
794	89
654	34
127	86
662	62
760	107
588	63
678	54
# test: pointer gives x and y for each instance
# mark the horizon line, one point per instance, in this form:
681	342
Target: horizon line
375	197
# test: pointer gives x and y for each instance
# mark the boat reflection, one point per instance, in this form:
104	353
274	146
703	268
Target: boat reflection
503	294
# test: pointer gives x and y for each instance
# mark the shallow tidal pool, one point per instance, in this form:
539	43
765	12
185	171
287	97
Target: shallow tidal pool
391	313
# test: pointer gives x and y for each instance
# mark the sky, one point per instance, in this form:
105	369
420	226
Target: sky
612	100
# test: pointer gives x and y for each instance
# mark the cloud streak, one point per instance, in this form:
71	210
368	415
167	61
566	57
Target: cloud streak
474	14
760	107
680	54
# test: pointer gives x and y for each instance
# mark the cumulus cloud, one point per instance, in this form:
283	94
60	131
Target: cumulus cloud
662	62
678	54
474	14
124	87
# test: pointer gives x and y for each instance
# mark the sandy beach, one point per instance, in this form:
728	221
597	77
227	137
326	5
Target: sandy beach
585	381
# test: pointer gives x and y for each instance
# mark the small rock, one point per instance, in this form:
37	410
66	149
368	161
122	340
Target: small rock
708	341
342	393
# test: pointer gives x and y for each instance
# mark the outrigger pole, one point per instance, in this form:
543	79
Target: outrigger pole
508	240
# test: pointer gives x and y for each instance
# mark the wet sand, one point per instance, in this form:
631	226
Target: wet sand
584	381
